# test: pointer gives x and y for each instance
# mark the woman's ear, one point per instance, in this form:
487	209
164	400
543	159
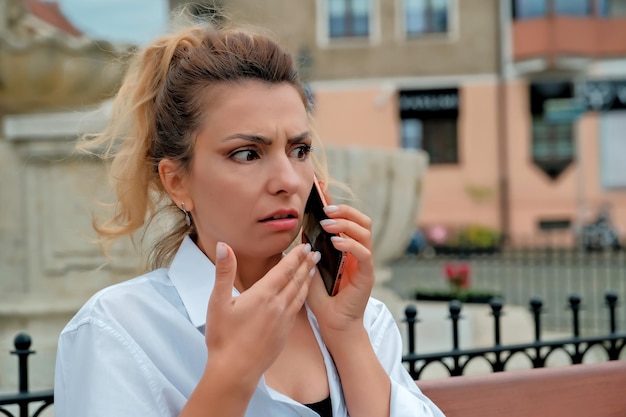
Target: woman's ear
175	184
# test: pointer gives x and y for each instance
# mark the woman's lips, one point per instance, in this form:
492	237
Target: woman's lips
281	224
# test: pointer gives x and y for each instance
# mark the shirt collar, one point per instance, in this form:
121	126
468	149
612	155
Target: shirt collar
193	275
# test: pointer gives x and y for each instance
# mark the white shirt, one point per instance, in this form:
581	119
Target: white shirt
138	349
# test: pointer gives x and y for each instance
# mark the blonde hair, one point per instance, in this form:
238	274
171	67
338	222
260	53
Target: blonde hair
158	111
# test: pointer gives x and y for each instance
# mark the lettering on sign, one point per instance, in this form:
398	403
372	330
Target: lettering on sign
605	95
428	102
432	103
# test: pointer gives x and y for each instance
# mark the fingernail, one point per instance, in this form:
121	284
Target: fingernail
312	272
306	249
220	251
327	222
316	257
330	209
336	238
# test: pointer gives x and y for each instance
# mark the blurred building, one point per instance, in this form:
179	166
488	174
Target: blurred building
468	81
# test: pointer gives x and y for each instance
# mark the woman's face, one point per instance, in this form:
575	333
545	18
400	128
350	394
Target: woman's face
251	172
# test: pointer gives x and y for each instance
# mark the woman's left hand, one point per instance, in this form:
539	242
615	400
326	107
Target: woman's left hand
341	314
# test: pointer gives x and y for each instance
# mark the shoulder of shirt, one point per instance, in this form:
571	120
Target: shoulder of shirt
114	298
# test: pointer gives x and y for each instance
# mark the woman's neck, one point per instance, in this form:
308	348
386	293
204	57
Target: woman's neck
250	270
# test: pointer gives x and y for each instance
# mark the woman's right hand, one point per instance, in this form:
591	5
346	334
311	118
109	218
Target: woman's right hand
247	333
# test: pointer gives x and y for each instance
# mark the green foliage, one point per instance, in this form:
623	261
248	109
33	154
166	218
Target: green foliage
476	236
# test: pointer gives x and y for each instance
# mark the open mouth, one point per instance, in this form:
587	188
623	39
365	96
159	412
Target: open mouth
279	217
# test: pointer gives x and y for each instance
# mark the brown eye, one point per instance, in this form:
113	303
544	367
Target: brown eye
301	152
245	155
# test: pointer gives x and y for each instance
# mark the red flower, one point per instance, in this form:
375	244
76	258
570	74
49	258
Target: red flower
458	275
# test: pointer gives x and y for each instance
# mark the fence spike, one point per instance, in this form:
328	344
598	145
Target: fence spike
536	306
575	305
611	302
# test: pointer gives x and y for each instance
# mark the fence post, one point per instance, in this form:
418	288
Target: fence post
455	314
496	311
611	302
536	306
22	344
410	313
575	306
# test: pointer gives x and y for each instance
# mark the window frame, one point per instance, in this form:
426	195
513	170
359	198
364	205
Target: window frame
452	33
550	9
551	139
325	41
425	143
432	105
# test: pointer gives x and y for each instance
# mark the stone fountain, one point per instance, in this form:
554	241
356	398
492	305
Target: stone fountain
387	186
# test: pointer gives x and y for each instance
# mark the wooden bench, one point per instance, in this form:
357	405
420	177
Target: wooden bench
587	390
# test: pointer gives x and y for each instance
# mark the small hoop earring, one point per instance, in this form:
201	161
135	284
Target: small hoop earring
187	215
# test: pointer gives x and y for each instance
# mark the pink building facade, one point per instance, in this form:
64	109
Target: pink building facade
469	192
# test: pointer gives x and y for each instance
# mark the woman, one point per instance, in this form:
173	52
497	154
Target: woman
214	124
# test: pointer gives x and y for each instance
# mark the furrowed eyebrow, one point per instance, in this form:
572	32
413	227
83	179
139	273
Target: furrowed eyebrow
300	138
265	141
250	138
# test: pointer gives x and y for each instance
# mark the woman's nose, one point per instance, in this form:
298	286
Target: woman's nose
283	177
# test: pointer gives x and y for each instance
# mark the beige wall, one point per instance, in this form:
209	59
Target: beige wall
367	117
468	193
469	48
453	194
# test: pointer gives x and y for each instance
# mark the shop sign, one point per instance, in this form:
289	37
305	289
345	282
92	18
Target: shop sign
605	95
563	110
429	103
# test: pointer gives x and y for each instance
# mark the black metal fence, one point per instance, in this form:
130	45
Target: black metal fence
455	361
24	398
498	356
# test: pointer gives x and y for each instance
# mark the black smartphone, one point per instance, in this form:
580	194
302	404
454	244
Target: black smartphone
332	262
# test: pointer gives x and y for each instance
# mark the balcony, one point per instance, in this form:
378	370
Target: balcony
553	37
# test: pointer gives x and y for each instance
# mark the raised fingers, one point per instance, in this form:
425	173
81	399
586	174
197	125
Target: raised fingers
291	272
350	222
297	290
350	213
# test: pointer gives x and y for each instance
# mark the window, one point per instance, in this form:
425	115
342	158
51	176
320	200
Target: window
552	143
552	146
572	7
426	16
429	122
613	149
438	137
529	9
349	18
612	8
